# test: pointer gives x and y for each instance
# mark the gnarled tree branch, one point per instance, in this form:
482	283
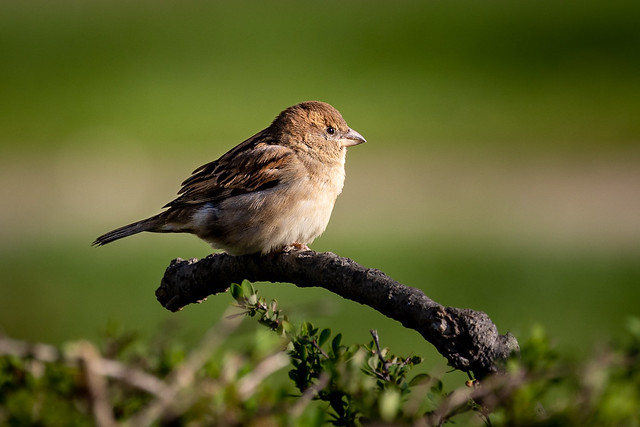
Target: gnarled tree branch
467	338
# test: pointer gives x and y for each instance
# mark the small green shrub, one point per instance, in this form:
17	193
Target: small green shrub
330	382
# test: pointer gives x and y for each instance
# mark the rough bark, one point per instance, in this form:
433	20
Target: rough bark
468	339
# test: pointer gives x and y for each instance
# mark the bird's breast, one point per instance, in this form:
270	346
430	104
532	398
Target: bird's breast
296	210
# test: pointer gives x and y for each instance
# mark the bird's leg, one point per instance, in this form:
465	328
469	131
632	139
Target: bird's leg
295	246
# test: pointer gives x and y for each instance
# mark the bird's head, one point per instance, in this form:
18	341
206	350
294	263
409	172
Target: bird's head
316	126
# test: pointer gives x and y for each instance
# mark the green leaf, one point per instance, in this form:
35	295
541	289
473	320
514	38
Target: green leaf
306	328
286	326
247	288
438	388
252	299
335	344
303	353
236	291
373	362
324	336
420	379
389	404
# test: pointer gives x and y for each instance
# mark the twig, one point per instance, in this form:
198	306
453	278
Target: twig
184	374
132	377
102	410
315	344
309	394
248	384
49	354
385	364
488	393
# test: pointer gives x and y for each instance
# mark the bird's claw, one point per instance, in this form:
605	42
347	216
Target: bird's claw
295	246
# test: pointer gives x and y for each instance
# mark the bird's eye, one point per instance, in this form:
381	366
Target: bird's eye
330	130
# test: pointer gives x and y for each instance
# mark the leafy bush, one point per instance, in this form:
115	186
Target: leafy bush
330	382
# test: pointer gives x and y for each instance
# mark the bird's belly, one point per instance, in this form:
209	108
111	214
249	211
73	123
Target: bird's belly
304	220
266	221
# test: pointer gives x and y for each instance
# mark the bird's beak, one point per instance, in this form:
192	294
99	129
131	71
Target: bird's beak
352	138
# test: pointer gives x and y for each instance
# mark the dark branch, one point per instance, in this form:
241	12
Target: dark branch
467	338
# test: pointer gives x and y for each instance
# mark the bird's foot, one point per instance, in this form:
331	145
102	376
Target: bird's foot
295	246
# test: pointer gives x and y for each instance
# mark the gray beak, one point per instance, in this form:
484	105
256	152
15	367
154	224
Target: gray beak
352	138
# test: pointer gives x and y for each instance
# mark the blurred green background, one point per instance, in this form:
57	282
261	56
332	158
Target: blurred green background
501	173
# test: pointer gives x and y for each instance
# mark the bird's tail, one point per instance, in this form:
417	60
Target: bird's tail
150	224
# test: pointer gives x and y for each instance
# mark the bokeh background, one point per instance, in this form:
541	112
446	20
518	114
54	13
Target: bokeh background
501	173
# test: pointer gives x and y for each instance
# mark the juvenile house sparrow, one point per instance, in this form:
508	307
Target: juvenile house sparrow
274	190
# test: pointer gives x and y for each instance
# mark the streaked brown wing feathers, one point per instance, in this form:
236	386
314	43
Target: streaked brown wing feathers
251	166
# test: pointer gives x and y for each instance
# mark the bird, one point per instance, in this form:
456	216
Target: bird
273	192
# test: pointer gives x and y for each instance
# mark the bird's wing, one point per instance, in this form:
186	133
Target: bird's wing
256	164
